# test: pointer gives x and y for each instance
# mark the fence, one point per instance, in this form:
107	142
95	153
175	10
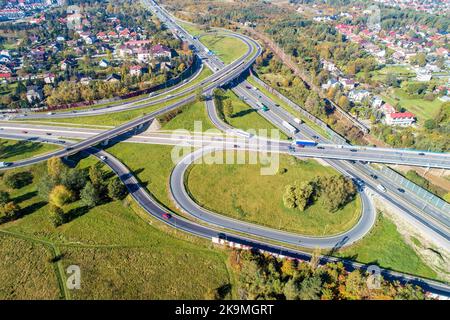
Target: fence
420	192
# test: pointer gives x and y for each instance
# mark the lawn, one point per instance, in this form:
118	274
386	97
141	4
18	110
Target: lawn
241	192
26	271
12	150
191	28
151	164
246	118
421	108
122	253
225	47
185	120
385	247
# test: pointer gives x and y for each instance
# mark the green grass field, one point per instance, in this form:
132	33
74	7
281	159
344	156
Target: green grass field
385	247
421	108
190	113
12	150
26	271
226	48
246	118
122	253
241	192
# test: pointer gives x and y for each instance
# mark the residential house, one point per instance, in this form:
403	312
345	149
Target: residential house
348	84
161	51
34	93
104	63
400	119
135	70
376	102
49	78
388	109
358	95
113	78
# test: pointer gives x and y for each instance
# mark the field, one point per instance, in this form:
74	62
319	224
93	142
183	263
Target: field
246	118
421	108
385	247
12	150
241	192
226	48
190	113
122	253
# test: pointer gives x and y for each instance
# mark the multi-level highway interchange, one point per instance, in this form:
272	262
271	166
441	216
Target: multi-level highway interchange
351	161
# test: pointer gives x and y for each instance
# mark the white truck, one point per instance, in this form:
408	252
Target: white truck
290	127
381	188
297	120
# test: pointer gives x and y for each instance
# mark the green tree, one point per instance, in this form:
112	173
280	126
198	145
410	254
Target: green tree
310	288
90	195
291	290
336	191
116	189
4	197
17	180
56	215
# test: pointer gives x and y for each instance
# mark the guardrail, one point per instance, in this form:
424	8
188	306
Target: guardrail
423	194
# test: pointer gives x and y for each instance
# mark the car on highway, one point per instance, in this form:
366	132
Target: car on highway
49	113
151	94
381	188
401	190
103	158
169	96
166	216
320	147
374	176
5	164
23	131
421	154
69	148
353	150
48	133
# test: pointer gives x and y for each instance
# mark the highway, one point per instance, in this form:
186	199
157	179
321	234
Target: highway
151	206
322	150
434	219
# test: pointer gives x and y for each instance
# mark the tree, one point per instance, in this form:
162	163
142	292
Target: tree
291	290
4	197
74	179
17	180
314	104
56	215
228	108
344	103
310	288
60	196
430	124
116	189
336	191
355	285
90	195
9	210
299	195
55	167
